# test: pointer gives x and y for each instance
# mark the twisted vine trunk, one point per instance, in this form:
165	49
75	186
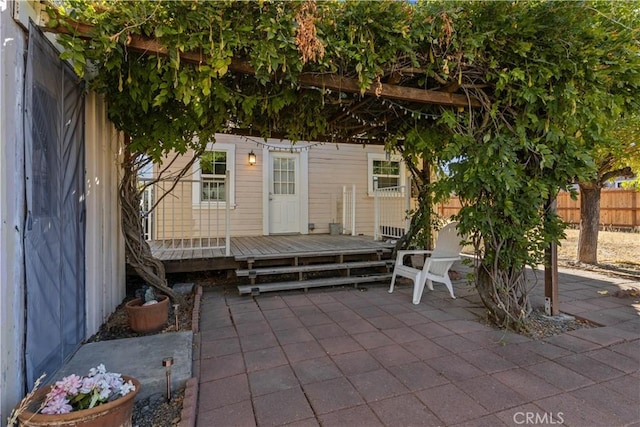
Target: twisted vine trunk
419	232
420	224
505	295
137	250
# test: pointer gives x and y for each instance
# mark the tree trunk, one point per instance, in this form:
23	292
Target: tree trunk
428	203
419	232
420	226
484	286
505	296
589	223
137	250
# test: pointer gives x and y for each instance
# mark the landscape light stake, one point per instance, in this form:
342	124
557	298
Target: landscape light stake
167	362
175	311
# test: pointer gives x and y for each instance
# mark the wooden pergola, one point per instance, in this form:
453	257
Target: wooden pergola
400	89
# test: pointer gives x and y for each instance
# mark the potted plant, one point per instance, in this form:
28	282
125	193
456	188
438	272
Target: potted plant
148	313
100	398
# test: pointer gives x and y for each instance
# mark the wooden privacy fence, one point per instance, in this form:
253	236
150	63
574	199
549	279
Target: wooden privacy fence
618	208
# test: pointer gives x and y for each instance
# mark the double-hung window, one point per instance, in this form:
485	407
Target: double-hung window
213	170
210	176
385	171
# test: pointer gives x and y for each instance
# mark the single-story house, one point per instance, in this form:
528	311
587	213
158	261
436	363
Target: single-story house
278	187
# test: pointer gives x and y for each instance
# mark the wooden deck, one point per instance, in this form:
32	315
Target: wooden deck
186	256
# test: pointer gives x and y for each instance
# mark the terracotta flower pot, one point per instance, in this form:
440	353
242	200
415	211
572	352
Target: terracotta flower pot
148	318
116	413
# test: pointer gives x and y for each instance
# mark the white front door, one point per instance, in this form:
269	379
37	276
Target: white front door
284	193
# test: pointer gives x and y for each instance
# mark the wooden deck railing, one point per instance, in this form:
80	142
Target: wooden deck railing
174	218
391	207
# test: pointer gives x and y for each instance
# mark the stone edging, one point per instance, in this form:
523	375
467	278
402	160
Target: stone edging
189	404
190	401
195	313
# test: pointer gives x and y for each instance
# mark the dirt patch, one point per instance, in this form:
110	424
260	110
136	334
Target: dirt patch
117	325
627	293
616	250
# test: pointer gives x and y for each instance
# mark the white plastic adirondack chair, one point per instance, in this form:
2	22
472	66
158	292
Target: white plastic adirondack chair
436	266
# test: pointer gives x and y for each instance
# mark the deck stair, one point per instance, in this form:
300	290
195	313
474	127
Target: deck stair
304	270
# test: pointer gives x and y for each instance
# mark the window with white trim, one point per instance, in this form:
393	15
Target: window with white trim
213	176
388	171
210	182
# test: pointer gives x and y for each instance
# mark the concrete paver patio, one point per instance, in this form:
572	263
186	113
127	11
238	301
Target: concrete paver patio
364	357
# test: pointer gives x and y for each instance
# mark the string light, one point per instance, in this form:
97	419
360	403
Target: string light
414	113
292	148
359	119
298	149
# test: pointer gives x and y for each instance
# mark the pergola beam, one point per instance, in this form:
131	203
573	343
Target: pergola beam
151	46
402	93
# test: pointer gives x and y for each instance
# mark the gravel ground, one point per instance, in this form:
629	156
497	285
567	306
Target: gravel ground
155	411
543	326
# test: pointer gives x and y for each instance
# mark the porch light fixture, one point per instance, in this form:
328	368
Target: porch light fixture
252	158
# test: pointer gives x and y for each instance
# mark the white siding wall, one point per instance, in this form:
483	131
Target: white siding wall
246	218
246	215
330	166
12	212
104	260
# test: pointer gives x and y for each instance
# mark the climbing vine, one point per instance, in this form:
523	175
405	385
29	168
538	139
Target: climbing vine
503	99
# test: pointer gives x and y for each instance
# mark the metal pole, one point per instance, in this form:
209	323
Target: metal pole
376	209
353	209
551	271
407	219
345	206
227	226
